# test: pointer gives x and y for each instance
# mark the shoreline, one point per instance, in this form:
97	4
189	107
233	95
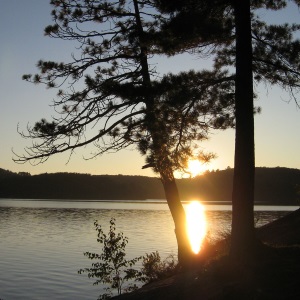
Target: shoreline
146	201
274	275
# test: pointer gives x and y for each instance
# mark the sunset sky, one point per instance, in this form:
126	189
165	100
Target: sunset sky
277	128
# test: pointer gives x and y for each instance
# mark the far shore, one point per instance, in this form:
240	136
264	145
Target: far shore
151	201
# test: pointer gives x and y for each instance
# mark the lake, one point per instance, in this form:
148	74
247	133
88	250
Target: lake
42	242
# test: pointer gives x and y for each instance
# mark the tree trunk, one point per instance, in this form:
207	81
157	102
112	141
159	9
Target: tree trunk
179	218
243	236
166	172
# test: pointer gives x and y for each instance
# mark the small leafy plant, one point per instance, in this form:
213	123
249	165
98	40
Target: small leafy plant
111	267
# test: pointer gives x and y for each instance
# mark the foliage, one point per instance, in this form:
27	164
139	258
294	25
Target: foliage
275	47
153	268
110	95
111	268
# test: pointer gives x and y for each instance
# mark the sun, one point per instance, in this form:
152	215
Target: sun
196	225
195	167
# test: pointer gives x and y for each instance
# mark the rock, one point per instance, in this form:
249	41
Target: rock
282	232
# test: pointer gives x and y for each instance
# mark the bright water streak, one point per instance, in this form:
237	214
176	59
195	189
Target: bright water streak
42	242
196	224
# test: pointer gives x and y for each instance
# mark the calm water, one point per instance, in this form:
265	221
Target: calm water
42	242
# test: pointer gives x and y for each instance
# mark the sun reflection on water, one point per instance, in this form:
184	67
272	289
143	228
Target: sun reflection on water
196	224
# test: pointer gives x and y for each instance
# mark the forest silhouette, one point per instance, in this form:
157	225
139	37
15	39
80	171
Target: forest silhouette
273	186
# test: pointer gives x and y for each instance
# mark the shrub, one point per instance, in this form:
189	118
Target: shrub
111	268
153	268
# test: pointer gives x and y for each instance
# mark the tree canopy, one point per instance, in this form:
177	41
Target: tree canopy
115	107
275	46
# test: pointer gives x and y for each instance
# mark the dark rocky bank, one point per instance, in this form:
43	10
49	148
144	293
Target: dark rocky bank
275	274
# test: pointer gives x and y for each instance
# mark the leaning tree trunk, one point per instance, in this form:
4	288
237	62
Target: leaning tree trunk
178	215
243	235
166	173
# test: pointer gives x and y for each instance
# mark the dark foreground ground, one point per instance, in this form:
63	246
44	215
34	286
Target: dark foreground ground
274	275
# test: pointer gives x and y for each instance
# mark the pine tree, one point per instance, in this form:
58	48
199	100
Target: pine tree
235	36
118	103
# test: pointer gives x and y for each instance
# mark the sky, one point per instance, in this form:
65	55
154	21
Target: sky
277	138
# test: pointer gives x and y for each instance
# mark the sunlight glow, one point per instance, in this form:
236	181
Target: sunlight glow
196	225
195	167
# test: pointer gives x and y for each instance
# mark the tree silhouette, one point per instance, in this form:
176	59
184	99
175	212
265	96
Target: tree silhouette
243	236
235	36
120	103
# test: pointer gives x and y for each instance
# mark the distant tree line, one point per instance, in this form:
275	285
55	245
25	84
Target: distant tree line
273	186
